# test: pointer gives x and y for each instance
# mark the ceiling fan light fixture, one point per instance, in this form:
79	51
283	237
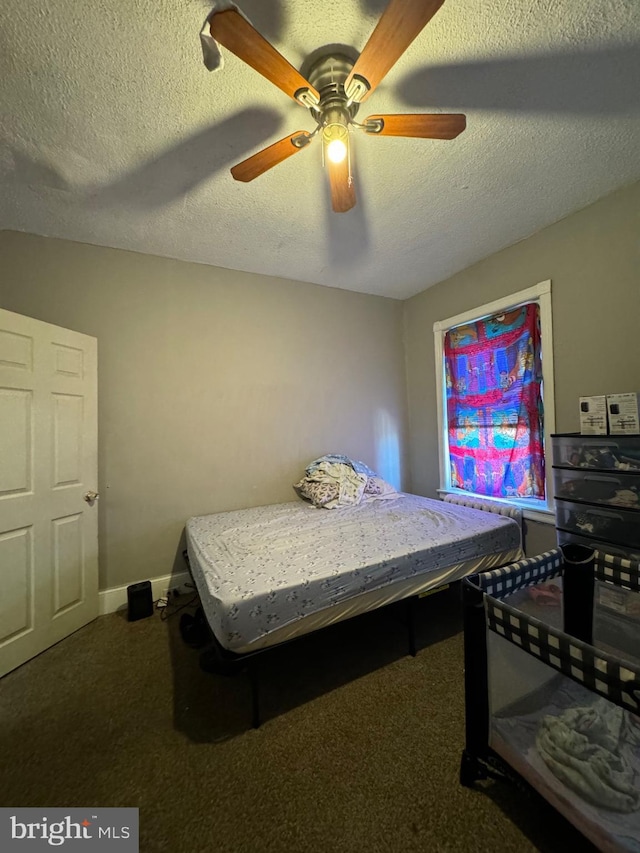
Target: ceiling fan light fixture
335	134
336	150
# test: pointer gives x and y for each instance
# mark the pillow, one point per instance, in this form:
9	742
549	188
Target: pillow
319	493
376	487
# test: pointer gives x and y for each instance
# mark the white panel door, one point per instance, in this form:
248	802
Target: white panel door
48	474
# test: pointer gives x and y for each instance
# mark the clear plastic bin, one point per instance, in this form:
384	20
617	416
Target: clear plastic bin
617	489
602	524
601	453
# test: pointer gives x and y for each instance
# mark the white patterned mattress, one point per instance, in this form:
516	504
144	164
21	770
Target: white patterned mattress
269	573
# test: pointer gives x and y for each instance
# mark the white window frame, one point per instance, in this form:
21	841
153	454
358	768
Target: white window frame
541	293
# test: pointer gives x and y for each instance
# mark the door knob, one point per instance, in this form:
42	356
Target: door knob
90	497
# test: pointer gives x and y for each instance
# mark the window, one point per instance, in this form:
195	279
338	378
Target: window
495	400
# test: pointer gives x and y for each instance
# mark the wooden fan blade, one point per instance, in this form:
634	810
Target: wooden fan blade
237	35
269	157
343	193
400	23
438	126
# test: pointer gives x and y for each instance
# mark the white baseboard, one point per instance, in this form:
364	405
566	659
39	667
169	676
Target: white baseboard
115	598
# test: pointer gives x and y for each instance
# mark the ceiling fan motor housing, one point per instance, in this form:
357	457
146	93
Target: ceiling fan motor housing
328	75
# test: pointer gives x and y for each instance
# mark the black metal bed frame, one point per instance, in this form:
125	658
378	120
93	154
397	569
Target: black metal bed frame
215	658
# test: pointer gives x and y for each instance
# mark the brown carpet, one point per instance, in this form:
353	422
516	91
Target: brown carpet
359	750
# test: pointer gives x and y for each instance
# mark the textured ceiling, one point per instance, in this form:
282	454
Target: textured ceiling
114	133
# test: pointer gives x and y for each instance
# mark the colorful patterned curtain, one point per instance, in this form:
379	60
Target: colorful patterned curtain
494	405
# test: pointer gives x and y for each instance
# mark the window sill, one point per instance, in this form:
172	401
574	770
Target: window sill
542	516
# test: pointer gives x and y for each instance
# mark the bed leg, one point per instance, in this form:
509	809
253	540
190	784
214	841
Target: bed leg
470	770
411	626
255	694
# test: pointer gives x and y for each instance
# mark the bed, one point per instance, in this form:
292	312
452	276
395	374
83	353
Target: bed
269	574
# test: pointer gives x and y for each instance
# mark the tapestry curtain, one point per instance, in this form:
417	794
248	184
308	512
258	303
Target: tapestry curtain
494	405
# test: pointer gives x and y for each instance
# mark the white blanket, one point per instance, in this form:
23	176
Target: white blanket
582	748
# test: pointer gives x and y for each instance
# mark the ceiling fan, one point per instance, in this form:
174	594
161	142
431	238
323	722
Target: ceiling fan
332	84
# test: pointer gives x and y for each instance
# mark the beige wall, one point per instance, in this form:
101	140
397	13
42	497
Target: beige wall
593	261
216	387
